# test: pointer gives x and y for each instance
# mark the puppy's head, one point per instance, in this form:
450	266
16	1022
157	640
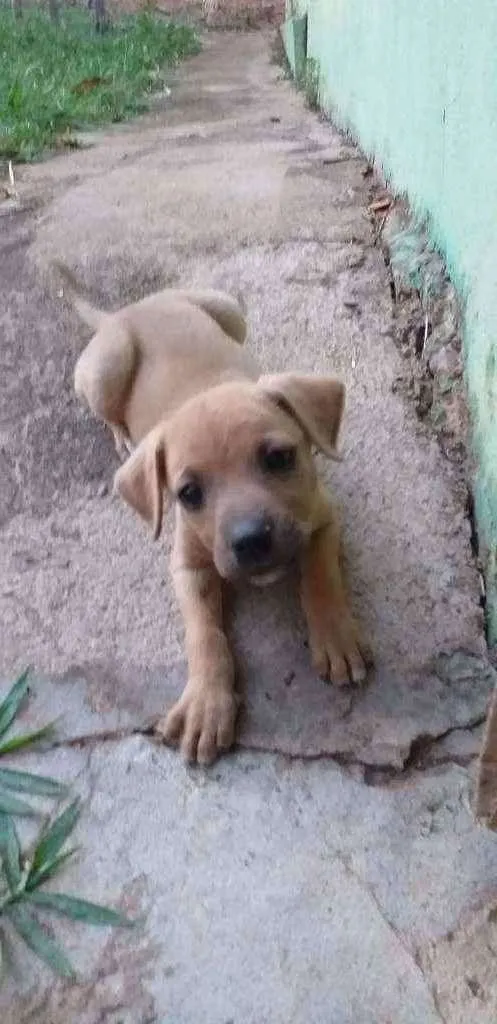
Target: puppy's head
237	462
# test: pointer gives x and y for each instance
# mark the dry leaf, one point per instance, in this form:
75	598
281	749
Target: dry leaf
379	205
87	84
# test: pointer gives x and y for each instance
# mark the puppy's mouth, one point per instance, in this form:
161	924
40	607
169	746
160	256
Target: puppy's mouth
270	576
258	549
262	576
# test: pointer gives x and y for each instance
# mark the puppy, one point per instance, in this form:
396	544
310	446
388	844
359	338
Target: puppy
231	450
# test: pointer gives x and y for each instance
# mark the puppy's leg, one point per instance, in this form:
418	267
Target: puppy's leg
203	720
104	375
335	644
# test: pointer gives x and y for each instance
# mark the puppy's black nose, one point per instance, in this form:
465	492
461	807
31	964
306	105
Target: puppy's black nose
252	540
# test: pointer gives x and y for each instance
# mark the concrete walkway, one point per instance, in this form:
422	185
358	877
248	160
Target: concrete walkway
329	871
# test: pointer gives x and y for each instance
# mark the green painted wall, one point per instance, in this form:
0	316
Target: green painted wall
416	83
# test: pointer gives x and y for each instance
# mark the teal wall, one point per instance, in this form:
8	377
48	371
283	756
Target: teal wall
416	83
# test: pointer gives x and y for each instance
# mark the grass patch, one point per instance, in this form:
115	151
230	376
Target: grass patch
58	79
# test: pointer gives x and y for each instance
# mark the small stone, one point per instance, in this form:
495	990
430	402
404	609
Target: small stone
446	361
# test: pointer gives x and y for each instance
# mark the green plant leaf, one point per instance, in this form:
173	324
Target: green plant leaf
10	851
10	804
27	739
48	869
30	930
26	782
80	910
54	836
12	702
6	961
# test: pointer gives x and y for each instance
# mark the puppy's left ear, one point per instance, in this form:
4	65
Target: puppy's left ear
317	403
142	479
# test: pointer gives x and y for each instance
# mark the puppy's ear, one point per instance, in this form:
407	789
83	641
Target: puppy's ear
316	403
142	479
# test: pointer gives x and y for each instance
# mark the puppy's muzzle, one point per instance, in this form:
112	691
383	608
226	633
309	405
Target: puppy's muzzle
260	547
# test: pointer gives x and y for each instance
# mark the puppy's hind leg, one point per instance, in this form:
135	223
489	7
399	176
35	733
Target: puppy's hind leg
104	376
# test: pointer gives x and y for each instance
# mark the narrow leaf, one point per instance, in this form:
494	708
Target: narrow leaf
26	782
54	836
10	851
6	959
27	739
80	910
37	939
12	702
48	869
12	805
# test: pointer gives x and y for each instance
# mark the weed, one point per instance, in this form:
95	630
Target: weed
415	260
23	873
12	782
58	78
309	83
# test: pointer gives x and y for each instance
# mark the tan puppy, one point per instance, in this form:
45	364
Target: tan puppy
232	451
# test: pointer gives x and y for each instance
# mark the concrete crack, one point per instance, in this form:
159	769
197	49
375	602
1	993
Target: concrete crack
421	752
397	934
419	757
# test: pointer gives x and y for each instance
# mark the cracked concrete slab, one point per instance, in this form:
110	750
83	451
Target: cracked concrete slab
257	196
267	889
232	183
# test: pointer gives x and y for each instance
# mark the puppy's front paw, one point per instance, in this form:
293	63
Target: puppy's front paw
337	651
202	721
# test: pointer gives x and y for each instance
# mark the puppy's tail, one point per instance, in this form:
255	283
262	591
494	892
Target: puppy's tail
89	314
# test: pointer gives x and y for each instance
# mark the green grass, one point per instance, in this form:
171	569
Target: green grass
56	79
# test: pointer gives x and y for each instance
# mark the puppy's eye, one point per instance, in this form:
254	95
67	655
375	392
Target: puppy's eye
191	496
281	459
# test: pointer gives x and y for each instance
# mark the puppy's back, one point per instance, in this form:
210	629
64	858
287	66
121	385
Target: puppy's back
229	312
